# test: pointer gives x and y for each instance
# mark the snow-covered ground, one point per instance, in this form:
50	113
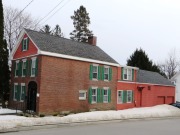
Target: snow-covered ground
7	111
159	111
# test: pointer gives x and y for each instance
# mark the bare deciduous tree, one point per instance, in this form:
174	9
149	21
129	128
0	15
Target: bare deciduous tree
14	22
171	65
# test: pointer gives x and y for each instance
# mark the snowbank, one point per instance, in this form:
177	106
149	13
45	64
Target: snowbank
159	111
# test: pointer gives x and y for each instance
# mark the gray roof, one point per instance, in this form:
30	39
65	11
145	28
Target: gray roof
144	76
49	43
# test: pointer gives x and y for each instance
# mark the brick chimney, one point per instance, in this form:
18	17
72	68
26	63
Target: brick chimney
92	40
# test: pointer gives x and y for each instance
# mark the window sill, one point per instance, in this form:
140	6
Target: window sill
105	102
95	79
32	75
82	98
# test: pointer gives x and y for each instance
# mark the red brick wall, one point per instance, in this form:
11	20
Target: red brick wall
25	80
61	80
31	51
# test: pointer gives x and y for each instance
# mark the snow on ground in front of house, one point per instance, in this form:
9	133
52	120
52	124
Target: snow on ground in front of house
7	111
159	111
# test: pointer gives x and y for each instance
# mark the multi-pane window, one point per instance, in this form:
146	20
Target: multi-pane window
120	97
25	44
15	94
33	67
23	89
82	95
105	95
94	95
127	74
106	73
17	68
125	96
24	66
95	72
129	96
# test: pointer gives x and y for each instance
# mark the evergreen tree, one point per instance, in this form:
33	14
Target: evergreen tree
141	60
57	31
81	22
46	29
4	67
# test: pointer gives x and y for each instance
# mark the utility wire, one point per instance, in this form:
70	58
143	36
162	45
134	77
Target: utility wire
23	9
49	12
56	12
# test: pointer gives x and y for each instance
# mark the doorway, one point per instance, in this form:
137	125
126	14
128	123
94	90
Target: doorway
31	97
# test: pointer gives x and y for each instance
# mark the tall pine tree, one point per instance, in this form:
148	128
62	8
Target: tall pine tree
4	67
141	60
81	22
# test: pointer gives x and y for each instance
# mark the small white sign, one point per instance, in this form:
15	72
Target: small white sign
37	94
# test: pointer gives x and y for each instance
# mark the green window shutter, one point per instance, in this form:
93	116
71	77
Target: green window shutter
110	74
90	95
27	43
99	72
22	44
14	68
102	72
36	70
91	72
124	96
122	71
109	95
20	68
30	63
102	95
98	95
132	74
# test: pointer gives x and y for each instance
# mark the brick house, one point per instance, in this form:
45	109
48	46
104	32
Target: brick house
52	74
141	88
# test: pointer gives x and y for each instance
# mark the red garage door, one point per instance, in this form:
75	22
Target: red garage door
160	100
169	100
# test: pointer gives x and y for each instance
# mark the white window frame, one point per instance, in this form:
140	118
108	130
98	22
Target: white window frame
130	96
22	84
25	44
105	89
33	60
129	74
17	66
95	65
121	96
106	73
23	61
83	92
15	90
94	88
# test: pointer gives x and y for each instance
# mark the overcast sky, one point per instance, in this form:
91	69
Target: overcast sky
121	26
